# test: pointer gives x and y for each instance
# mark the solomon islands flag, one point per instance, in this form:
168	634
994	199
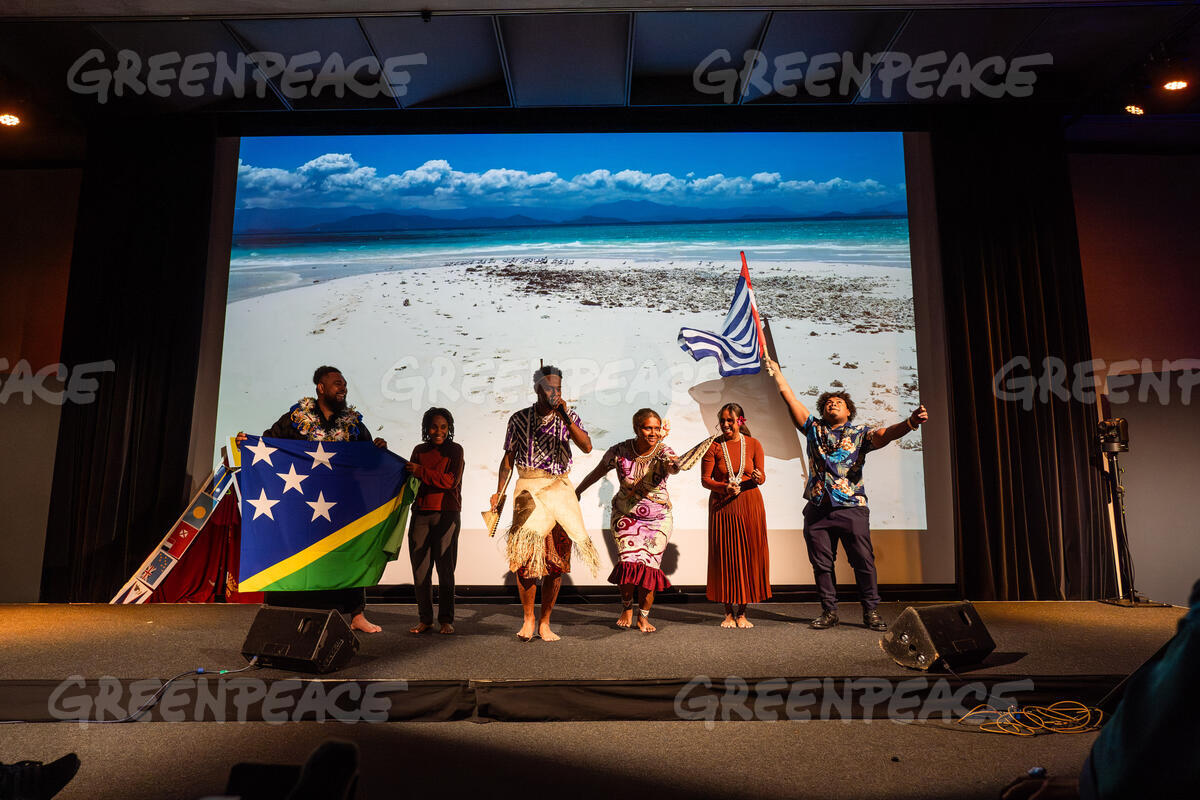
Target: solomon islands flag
319	515
738	346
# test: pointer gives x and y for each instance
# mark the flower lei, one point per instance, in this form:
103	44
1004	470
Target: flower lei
306	418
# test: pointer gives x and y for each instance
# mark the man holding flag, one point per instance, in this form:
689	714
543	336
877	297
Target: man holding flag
837	502
284	552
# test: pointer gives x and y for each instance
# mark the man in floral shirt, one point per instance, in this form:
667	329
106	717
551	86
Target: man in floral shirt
325	418
837	503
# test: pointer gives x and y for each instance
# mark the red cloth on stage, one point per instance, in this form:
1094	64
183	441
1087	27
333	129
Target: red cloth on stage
207	572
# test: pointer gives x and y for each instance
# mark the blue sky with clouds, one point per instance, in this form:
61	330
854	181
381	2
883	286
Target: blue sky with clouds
802	172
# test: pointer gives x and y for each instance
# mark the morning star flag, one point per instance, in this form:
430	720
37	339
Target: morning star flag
319	515
738	347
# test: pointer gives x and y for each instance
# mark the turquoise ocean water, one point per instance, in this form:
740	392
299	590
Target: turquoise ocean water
260	264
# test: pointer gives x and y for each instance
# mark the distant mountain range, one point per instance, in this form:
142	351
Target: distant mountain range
351	219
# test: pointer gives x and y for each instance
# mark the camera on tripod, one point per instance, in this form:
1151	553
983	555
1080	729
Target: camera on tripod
1114	435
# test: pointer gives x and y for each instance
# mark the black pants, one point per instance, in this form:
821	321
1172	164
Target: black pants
433	541
348	601
824	526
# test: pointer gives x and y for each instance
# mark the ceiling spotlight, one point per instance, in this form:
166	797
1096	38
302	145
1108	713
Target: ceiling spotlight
1137	111
1175	85
10	120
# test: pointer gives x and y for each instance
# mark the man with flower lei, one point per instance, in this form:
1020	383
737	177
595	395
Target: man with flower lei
325	418
837	502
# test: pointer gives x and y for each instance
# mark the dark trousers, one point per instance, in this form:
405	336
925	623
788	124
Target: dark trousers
348	601
433	541
824	527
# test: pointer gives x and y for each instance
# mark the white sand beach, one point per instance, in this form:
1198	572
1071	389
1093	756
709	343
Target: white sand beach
467	334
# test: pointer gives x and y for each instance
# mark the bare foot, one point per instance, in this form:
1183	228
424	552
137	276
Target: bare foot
420	627
526	632
742	622
626	618
361	623
728	622
644	625
547	634
446	628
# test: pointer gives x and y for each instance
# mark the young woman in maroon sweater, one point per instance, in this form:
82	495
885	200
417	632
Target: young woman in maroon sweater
436	518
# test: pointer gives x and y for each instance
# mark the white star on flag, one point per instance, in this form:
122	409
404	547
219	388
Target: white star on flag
320	507
319	456
261	452
292	480
262	505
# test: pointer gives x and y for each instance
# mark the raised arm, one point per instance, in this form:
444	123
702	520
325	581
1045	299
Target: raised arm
795	407
883	436
578	435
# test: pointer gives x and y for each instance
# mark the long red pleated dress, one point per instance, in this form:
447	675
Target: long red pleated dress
738	561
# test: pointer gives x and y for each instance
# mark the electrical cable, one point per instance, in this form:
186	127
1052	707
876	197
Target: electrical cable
1065	716
148	704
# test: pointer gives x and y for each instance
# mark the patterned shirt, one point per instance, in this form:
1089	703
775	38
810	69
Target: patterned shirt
540	445
835	462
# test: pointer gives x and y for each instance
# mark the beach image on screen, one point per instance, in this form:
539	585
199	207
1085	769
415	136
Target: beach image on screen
442	270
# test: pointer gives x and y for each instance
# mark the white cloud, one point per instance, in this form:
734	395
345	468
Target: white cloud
338	179
330	162
266	180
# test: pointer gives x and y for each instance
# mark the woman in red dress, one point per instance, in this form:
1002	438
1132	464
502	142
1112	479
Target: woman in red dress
738	562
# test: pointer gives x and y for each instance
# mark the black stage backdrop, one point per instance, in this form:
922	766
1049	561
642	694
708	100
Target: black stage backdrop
136	297
1029	511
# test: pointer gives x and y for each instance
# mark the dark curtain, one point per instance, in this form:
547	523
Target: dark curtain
1030	518
136	297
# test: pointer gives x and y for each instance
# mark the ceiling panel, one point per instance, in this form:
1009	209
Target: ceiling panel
796	37
462	55
205	49
669	47
584	59
566	59
977	34
320	57
1094	49
62	66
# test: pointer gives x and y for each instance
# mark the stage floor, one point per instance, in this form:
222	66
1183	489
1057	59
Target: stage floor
51	642
876	760
605	701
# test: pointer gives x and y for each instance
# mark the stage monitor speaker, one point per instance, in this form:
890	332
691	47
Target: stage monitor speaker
951	633
300	639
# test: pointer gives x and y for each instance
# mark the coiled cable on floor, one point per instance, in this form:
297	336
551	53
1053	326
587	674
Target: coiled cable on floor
1065	716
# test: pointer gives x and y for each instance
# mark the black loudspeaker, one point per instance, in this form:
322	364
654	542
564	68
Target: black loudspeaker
300	639
951	633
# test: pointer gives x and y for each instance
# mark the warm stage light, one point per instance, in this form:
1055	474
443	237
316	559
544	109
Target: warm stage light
1175	86
1137	111
10	120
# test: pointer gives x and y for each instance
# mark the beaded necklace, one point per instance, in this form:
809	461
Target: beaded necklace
729	462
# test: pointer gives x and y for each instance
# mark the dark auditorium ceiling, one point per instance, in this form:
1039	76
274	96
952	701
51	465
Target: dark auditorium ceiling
587	54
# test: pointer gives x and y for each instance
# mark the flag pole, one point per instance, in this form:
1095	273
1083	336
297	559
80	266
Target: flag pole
762	337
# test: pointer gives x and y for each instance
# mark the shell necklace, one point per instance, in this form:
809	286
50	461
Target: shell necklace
741	460
641	464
